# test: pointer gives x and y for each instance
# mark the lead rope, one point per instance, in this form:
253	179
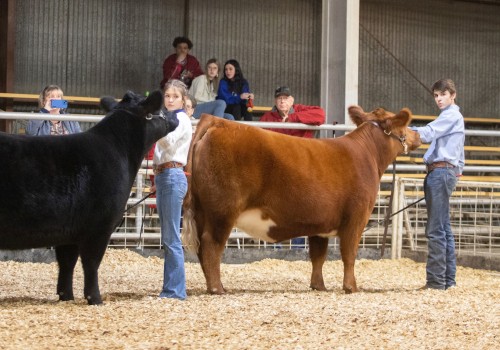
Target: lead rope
133	206
389	215
144	209
136	204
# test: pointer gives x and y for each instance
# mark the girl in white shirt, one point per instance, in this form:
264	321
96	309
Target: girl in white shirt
170	157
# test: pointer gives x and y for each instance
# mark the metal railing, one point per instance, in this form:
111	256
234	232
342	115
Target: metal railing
266	125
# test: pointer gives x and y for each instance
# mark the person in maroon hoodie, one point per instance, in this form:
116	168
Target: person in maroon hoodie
181	65
286	112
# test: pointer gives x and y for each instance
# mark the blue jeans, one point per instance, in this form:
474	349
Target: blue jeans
216	108
171	187
441	261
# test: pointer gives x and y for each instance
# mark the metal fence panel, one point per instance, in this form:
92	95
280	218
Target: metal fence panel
474	212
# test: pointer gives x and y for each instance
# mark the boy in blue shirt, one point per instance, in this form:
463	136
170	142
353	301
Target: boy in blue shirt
445	161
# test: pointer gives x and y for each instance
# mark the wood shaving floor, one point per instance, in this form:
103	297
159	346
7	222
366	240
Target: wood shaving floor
269	306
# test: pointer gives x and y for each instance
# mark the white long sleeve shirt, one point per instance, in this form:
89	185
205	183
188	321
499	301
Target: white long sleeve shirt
174	147
201	90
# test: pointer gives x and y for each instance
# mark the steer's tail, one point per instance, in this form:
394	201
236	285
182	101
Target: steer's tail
190	238
189	232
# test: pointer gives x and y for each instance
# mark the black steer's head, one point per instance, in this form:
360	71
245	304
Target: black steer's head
136	120
146	107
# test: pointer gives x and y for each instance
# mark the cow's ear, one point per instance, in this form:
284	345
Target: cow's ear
358	116
108	103
153	102
402	119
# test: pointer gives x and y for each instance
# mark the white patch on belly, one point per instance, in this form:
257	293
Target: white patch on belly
252	223
329	234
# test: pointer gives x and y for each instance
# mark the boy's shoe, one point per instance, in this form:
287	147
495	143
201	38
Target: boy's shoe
429	287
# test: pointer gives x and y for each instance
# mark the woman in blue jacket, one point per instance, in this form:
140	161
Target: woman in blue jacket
235	91
51	127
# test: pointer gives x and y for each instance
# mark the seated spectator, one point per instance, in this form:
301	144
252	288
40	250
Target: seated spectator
286	112
51	127
181	65
189	105
235	91
204	89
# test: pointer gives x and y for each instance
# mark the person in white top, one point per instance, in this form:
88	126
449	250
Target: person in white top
189	107
169	159
204	90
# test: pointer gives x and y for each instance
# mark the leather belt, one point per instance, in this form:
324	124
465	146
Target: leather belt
157	169
442	164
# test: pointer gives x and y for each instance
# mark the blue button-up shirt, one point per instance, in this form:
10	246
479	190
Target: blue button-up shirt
446	136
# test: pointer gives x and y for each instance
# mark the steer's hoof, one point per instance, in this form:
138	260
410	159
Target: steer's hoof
65	297
350	290
320	288
94	300
216	291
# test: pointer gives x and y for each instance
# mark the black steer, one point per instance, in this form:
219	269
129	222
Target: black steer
70	191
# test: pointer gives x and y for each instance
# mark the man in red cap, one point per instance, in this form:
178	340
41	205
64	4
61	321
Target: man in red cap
286	112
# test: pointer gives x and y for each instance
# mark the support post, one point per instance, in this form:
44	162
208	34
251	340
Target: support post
339	59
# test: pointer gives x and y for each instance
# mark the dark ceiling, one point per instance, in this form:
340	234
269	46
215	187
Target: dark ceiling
485	2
